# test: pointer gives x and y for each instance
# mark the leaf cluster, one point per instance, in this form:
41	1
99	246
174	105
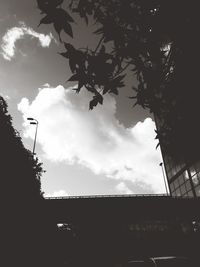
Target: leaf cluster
60	18
157	42
96	71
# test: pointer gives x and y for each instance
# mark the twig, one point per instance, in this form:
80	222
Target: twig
120	71
100	41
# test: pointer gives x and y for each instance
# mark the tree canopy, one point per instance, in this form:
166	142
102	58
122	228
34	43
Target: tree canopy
156	41
29	237
20	171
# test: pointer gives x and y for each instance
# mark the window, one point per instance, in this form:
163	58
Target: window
172	187
188	185
181	179
197	190
183	189
174	194
186	175
190	193
195	180
176	183
178	192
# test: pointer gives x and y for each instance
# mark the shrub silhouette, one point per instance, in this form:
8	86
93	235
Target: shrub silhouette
25	228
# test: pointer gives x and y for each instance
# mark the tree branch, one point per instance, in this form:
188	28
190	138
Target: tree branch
98	45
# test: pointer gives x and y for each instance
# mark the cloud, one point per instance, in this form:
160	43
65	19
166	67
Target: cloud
46	85
69	132
60	193
16	33
122	188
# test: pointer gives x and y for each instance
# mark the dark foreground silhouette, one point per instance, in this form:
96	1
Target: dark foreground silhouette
24	228
87	231
126	230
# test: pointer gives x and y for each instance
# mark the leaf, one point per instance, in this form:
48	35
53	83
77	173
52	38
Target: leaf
46	20
74	78
43	5
62	15
132	97
47	5
105	89
58	28
100	99
61	22
157	145
64	54
93	103
68	29
99	31
96	99
118	79
72	64
114	91
80	85
69	46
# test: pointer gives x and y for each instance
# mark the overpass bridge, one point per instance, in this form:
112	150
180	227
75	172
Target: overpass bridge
107	230
121	207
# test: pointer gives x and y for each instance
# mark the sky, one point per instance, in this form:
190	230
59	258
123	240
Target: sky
109	150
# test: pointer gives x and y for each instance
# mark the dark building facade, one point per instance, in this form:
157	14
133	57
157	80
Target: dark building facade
183	177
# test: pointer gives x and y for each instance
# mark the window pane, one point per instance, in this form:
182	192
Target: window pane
176	183
174	194
181	179
172	187
197	190
178	192
190	194
188	185
186	175
183	189
195	180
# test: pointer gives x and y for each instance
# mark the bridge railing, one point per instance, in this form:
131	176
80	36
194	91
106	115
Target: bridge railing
112	196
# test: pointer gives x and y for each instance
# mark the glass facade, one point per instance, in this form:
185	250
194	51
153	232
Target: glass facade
183	179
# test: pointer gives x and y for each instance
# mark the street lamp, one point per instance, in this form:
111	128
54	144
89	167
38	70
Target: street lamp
34	122
161	164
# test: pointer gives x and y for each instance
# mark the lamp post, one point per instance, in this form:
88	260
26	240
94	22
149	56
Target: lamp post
34	122
161	164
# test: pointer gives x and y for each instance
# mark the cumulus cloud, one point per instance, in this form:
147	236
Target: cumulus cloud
16	33
46	85
122	188
69	132
60	193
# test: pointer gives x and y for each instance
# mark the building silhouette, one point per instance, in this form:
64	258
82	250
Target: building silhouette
183	175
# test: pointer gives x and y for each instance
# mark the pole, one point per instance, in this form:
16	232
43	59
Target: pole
161	164
35	137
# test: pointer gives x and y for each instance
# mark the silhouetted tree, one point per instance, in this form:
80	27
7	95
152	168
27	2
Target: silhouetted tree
20	171
156	41
26	229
